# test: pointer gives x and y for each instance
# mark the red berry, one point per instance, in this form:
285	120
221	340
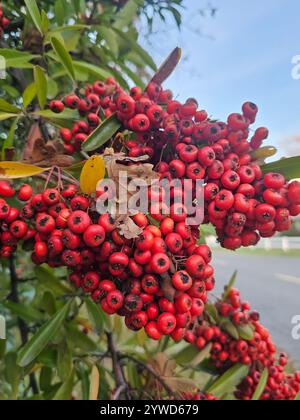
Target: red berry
94	236
160	263
166	323
182	281
79	221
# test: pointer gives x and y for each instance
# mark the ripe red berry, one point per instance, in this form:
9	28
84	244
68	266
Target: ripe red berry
56	106
44	223
6	190
25	193
195	266
152	331
182	281
174	243
265	213
18	229
145	241
160	263
94	236
166	323
79	221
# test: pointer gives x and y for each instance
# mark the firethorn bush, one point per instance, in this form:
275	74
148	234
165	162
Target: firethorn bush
84	103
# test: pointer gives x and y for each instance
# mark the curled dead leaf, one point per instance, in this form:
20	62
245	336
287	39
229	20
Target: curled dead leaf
128	228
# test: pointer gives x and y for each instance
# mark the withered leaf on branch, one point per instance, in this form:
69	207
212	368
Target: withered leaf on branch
39	152
166	369
167	287
128	228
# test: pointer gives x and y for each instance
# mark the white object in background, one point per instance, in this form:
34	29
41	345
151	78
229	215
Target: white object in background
2	328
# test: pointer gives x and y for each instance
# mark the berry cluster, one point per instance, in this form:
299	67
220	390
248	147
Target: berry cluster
4	21
183	143
258	351
227	350
136	278
280	386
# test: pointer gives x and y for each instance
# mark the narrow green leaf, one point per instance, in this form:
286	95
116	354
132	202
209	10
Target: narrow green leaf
297	397
231	330
6	116
289	167
133	45
7	107
49	282
261	386
46	378
65	391
8	142
12	374
227	383
64	361
78	340
111	39
25	312
34	14
230	285
212	312
92	69
63	56
96	315
41	339
45	22
126	15
17	59
29	94
41	85
246	332
102	134
59	12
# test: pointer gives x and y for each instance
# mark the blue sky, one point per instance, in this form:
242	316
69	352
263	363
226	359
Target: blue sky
244	53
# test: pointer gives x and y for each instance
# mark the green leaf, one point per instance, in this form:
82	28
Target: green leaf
7	107
65	119
41	85
12	374
59	12
79	340
25	312
34	14
126	15
6	116
111	39
212	312
92	69
231	329
289	167
187	354
227	383
246	332
102	134
63	56
8	142
17	59
46	378
65	391
49	282
297	397
134	46
230	285
45	22
96	315
40	340
261	386
29	94
64	361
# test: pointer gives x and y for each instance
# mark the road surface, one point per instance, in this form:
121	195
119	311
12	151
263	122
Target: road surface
272	286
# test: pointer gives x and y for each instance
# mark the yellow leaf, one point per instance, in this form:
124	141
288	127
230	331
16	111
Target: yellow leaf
264	152
15	170
94	384
92	172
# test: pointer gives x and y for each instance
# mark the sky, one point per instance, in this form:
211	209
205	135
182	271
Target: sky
244	53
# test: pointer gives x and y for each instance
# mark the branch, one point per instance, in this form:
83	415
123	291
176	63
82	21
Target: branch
14	297
152	372
122	385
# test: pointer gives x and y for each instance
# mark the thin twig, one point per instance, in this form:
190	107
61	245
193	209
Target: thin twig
24	331
151	371
122	385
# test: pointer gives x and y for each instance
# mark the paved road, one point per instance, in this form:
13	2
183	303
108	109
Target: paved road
272	285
